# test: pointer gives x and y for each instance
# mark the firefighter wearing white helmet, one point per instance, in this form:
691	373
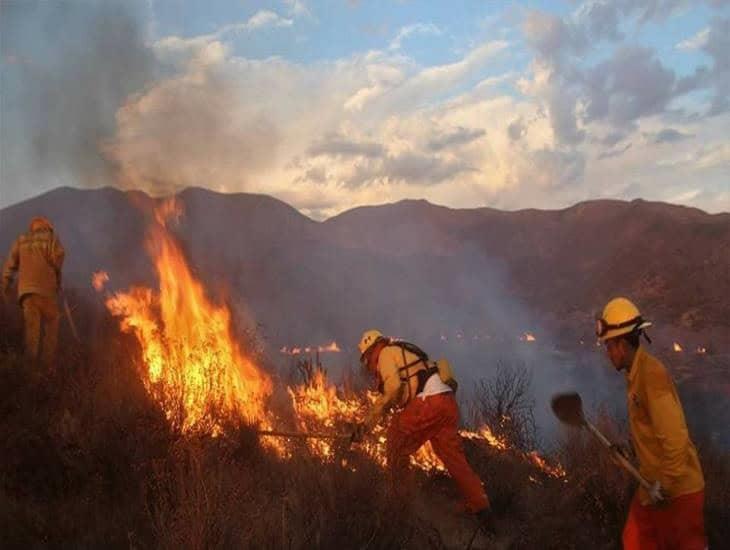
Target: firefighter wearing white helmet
660	438
423	392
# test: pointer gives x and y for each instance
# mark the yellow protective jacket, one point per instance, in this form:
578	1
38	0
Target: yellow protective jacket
395	391
659	431
37	256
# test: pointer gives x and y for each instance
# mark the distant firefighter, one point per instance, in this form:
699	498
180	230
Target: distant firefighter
37	257
423	391
674	517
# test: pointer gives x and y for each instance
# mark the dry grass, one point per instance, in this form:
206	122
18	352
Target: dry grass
88	461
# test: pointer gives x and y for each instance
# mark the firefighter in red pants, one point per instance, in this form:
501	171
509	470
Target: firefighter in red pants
424	390
674	518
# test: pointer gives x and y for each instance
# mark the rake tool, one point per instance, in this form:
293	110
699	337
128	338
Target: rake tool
568	407
302	435
70	319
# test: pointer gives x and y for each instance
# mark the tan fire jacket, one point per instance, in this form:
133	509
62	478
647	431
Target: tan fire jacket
394	389
659	431
37	256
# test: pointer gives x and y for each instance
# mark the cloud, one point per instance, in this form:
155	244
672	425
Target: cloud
297	8
718	46
459	136
338	145
630	85
516	129
422	168
548	168
702	158
614	152
695	42
669	135
410	30
260	20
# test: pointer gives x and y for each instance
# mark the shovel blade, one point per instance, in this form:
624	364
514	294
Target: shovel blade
568	407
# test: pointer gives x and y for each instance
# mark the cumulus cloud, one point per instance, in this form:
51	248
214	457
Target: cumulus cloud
630	85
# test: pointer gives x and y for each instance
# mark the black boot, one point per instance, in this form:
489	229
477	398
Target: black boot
485	517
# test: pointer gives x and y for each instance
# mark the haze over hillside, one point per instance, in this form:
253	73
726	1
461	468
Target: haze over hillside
464	283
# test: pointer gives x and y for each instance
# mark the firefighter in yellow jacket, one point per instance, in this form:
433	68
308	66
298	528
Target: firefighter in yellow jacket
37	258
660	439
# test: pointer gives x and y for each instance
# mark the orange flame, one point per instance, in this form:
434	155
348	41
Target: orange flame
701	350
99	279
192	364
527	337
676	347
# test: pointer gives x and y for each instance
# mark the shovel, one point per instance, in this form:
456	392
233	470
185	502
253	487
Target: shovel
568	407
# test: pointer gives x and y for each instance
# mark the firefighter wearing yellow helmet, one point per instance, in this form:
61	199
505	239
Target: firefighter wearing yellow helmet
423	392
660	438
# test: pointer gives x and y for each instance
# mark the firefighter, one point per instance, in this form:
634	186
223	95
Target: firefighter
674	517
37	257
424	392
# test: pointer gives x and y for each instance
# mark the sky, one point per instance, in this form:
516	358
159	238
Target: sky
340	103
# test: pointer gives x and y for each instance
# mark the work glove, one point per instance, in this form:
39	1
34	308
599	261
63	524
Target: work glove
358	433
658	495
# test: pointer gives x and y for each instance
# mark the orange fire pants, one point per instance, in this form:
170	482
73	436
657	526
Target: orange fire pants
680	525
433	419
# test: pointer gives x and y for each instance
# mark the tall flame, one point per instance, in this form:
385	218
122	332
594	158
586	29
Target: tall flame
192	364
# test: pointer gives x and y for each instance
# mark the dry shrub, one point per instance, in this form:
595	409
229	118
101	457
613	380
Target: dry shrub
505	403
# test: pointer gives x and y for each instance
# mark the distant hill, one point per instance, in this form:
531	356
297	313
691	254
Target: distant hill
413	268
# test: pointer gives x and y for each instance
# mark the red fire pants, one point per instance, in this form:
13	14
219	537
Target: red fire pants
680	525
433	419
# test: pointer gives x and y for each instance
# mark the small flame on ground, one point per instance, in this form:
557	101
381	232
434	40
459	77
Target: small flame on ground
332	347
99	279
527	337
676	347
701	350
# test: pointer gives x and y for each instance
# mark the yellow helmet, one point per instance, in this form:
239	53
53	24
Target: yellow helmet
369	337
620	316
